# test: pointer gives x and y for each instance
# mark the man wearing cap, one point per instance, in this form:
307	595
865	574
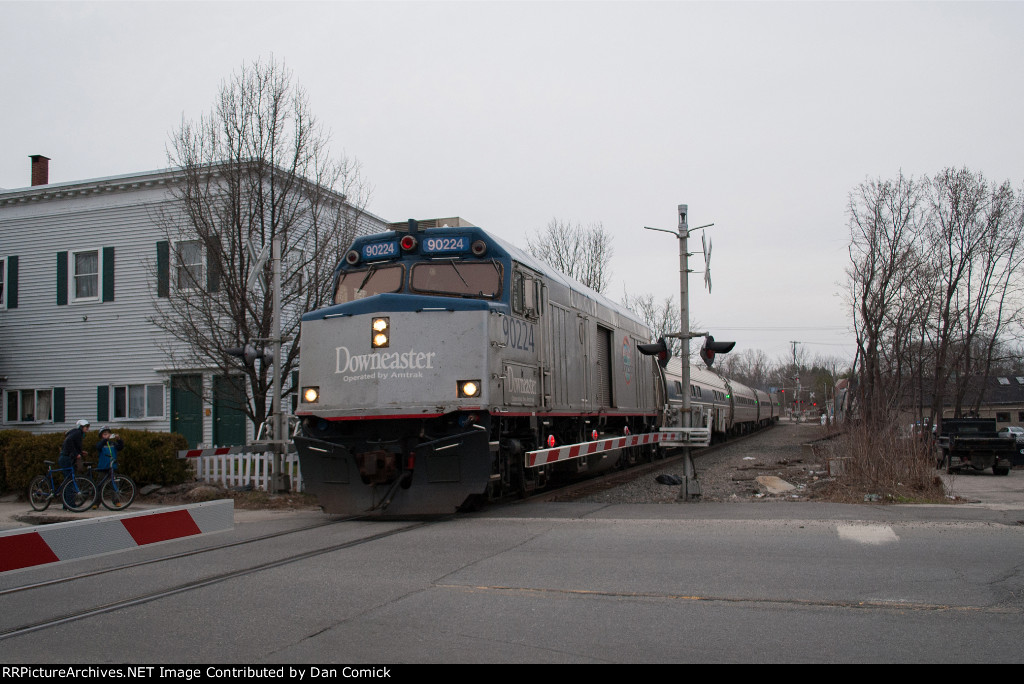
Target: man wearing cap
72	449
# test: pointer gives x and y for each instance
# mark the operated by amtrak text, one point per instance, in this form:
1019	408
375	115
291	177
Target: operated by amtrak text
192	673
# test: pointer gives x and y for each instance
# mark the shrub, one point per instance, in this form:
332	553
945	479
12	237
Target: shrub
148	457
152	457
5	438
23	454
878	460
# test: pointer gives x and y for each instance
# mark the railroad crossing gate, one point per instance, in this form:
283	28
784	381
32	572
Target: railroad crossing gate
31	547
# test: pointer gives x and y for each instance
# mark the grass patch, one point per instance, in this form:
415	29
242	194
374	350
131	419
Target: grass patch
879	465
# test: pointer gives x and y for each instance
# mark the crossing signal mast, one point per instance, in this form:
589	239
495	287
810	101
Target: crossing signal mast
280	481
690	485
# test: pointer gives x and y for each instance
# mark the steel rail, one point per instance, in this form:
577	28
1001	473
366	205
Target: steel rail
197	584
174	556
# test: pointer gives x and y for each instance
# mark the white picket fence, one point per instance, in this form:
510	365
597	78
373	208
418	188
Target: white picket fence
239	470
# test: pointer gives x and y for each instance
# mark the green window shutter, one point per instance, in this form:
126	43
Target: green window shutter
213	274
12	282
108	274
163	269
102	403
62	278
58	404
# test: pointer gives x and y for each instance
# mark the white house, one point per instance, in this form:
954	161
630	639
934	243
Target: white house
82	264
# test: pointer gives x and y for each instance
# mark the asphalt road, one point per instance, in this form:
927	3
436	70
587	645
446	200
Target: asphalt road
558	583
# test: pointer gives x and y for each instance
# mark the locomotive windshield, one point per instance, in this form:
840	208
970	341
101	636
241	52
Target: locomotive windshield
478	279
353	285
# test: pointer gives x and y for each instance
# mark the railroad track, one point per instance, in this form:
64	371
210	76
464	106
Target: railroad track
578	490
568	492
109	606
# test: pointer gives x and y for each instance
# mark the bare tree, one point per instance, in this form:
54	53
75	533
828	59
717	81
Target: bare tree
975	249
886	219
256	168
661	318
933	282
580	253
752	367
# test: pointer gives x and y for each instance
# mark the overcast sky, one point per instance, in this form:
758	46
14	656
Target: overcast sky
762	117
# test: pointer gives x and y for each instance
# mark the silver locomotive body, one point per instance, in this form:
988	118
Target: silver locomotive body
454	367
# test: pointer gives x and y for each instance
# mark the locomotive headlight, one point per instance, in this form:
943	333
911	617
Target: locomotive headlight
381	333
310	395
468	388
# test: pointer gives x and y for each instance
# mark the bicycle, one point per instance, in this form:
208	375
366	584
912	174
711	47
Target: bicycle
117	492
77	493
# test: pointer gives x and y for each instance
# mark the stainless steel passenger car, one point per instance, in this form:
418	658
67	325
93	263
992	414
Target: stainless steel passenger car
728	407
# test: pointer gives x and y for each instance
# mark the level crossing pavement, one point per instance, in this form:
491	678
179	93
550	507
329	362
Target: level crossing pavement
980	490
573	582
16	513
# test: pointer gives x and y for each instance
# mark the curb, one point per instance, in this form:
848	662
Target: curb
26	548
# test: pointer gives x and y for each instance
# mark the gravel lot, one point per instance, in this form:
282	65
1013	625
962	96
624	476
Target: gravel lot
731	472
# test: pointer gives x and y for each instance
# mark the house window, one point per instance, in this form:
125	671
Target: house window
3	281
1002	416
86	274
138	401
295	269
29	406
190	264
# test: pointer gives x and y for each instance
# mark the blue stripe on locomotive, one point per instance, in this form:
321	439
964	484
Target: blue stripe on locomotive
497	249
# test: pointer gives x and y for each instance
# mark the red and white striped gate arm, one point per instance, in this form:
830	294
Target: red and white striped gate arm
217	451
227	451
27	548
571	451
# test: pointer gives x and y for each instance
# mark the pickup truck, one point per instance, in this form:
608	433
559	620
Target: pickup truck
973	443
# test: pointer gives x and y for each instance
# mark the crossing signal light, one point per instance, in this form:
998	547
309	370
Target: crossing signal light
249	353
659	349
710	348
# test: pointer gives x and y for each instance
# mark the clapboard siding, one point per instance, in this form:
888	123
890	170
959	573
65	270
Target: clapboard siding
81	345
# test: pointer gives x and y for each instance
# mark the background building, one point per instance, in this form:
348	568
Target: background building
83	267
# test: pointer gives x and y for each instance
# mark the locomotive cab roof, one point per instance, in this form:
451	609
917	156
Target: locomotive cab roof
414	239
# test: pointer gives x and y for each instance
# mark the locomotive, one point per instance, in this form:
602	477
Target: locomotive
453	367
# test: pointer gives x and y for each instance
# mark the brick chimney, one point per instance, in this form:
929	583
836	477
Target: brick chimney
40	169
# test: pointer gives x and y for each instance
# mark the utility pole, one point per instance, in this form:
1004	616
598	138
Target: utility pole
796	371
280	481
690	487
